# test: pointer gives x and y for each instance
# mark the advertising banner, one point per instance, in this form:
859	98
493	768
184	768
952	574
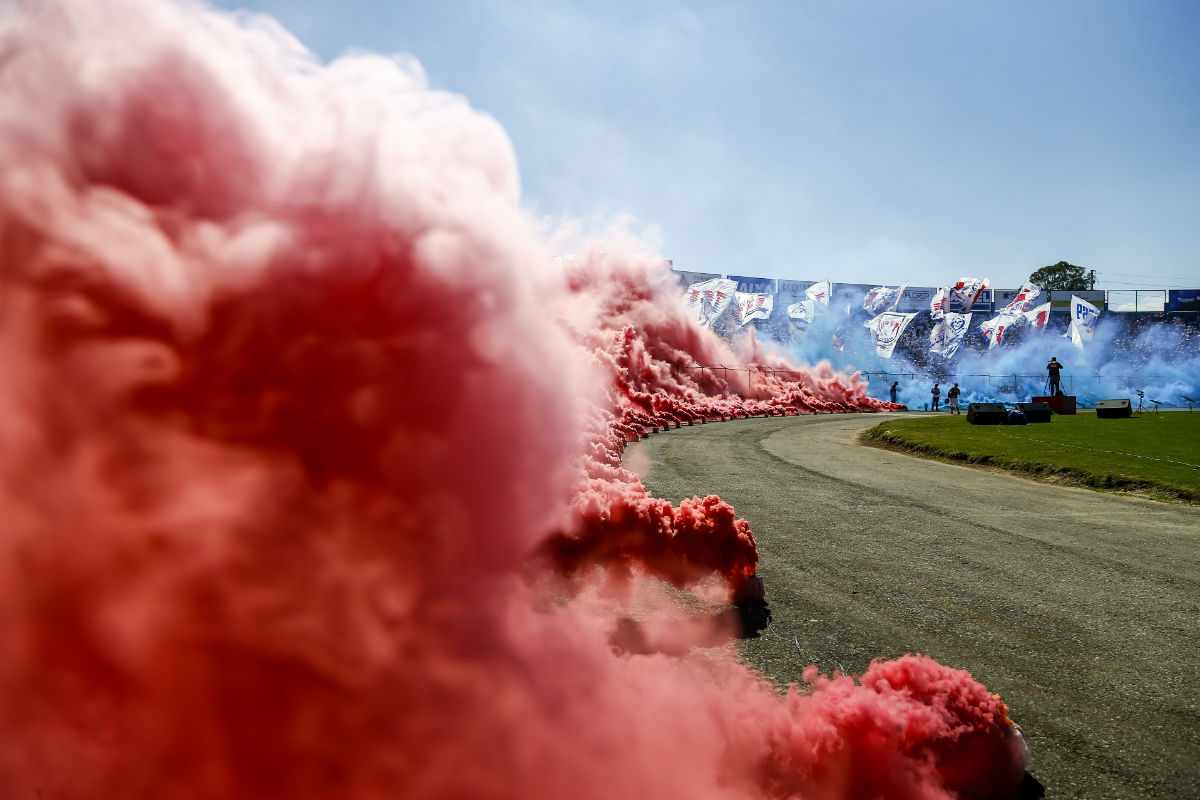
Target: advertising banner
753	285
1062	301
688	278
1183	300
792	287
915	299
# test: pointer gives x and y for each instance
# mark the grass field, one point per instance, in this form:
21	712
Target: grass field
1157	455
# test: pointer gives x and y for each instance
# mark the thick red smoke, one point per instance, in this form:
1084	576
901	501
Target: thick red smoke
311	459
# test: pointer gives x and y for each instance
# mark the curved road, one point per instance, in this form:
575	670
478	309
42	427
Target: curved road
1079	608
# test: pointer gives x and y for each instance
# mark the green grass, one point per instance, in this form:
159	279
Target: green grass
1157	454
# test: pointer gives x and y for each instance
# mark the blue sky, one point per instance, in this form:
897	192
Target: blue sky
861	140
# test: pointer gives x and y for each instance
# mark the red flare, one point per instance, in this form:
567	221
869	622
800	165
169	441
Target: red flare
296	408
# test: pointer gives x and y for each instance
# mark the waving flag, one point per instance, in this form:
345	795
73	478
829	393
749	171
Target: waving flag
1084	316
881	299
748	306
888	327
1026	299
1037	317
707	299
994	330
937	306
967	291
948	334
820	292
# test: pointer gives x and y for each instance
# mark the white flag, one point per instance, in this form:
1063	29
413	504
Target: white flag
820	292
888	327
995	329
805	311
1037	317
1025	300
967	291
948	334
881	299
1084	316
706	300
748	306
937	306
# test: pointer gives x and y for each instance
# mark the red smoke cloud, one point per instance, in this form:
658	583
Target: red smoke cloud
292	460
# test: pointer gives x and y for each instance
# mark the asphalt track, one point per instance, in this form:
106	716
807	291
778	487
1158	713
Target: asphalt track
1079	608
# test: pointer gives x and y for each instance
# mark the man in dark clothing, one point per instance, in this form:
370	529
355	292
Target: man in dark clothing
952	396
894	389
936	391
1053	368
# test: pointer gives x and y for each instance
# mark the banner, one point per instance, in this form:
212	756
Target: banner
888	328
1065	300
686	278
1183	300
1084	316
748	307
753	285
783	286
914	298
882	299
949	333
706	300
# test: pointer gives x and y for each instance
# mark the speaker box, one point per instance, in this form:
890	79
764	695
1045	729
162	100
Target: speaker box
1036	412
1113	409
986	414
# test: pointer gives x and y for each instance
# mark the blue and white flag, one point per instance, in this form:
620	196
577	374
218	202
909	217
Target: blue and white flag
1084	317
948	334
888	328
881	299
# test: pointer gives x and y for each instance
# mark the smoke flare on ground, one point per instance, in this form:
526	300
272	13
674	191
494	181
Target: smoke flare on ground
311	478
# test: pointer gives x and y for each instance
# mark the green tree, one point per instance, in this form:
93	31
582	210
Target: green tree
1063	277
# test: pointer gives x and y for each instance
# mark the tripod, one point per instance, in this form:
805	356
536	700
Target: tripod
1141	407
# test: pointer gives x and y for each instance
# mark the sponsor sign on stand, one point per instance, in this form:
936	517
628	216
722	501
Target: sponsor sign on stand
792	287
915	299
687	278
1061	300
751	285
1183	300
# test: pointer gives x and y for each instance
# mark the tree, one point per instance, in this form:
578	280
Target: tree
1064	277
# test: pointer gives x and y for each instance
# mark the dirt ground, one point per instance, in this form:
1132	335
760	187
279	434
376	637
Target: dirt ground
1079	608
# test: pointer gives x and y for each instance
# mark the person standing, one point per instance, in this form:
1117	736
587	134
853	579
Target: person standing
952	399
1053	369
893	391
936	391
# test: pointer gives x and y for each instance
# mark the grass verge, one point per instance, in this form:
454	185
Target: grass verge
1155	455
